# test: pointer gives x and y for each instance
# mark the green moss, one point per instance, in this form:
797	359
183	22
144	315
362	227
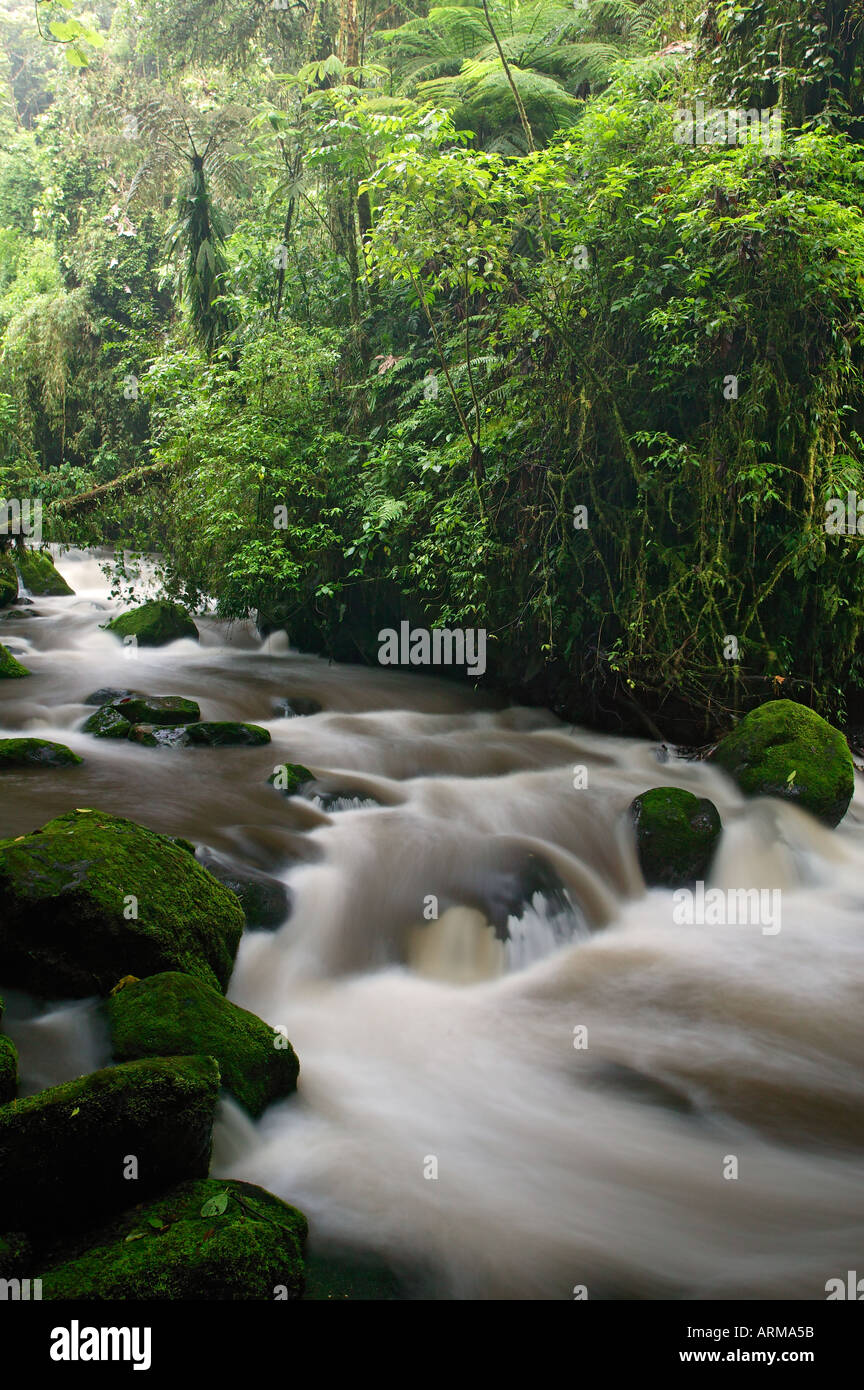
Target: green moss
39	574
154	624
173	1013
70	892
35	752
107	723
8	579
676	835
10	669
8	1069
167	710
784	749
289	777
64	1152
225	733
167	1249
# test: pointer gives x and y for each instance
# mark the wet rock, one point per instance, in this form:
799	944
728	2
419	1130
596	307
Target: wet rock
10	669
297	706
91	897
154	624
176	1014
158	709
154	736
290	777
106	723
266	902
39	575
108	696
64	1152
784	749
8	579
512	889
676	835
227	734
204	1240
35	752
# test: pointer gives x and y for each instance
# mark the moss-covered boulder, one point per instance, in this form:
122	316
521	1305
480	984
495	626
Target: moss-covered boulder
40	575
290	777
81	1152
154	624
227	734
8	579
106	723
174	1013
91	897
158	709
205	1240
10	669
676	835
35	752
784	749
266	901
8	1066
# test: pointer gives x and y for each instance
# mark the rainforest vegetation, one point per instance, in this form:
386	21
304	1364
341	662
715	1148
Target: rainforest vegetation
483	314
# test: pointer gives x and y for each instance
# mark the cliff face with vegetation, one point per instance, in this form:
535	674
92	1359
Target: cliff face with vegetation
488	316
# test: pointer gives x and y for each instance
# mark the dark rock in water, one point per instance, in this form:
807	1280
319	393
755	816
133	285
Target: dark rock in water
156	736
676	835
39	575
18	614
290	777
204	1240
92	897
784	749
266	902
154	624
227	734
174	1014
158	709
35	752
297	706
63	1152
8	1070
106	723
10	669
513	889
107	696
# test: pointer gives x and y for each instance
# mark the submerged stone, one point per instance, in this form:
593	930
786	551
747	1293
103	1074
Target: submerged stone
65	1153
204	1240
785	749
676	835
297	706
174	1013
10	669
227	734
40	575
35	752
154	624
92	897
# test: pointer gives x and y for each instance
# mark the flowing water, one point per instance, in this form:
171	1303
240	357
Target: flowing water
450	1120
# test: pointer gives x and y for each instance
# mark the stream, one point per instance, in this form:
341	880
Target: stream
463	919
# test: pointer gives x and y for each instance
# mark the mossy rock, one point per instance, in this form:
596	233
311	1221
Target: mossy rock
66	1153
174	1013
8	579
227	734
66	890
288	778
106	723
266	901
35	752
158	736
784	749
154	624
206	1241
676	835
108	696
10	669
40	575
8	1069
167	710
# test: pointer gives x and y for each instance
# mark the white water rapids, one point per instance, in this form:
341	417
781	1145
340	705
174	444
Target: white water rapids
437	1046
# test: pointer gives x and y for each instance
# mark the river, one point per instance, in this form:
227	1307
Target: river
451	1120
